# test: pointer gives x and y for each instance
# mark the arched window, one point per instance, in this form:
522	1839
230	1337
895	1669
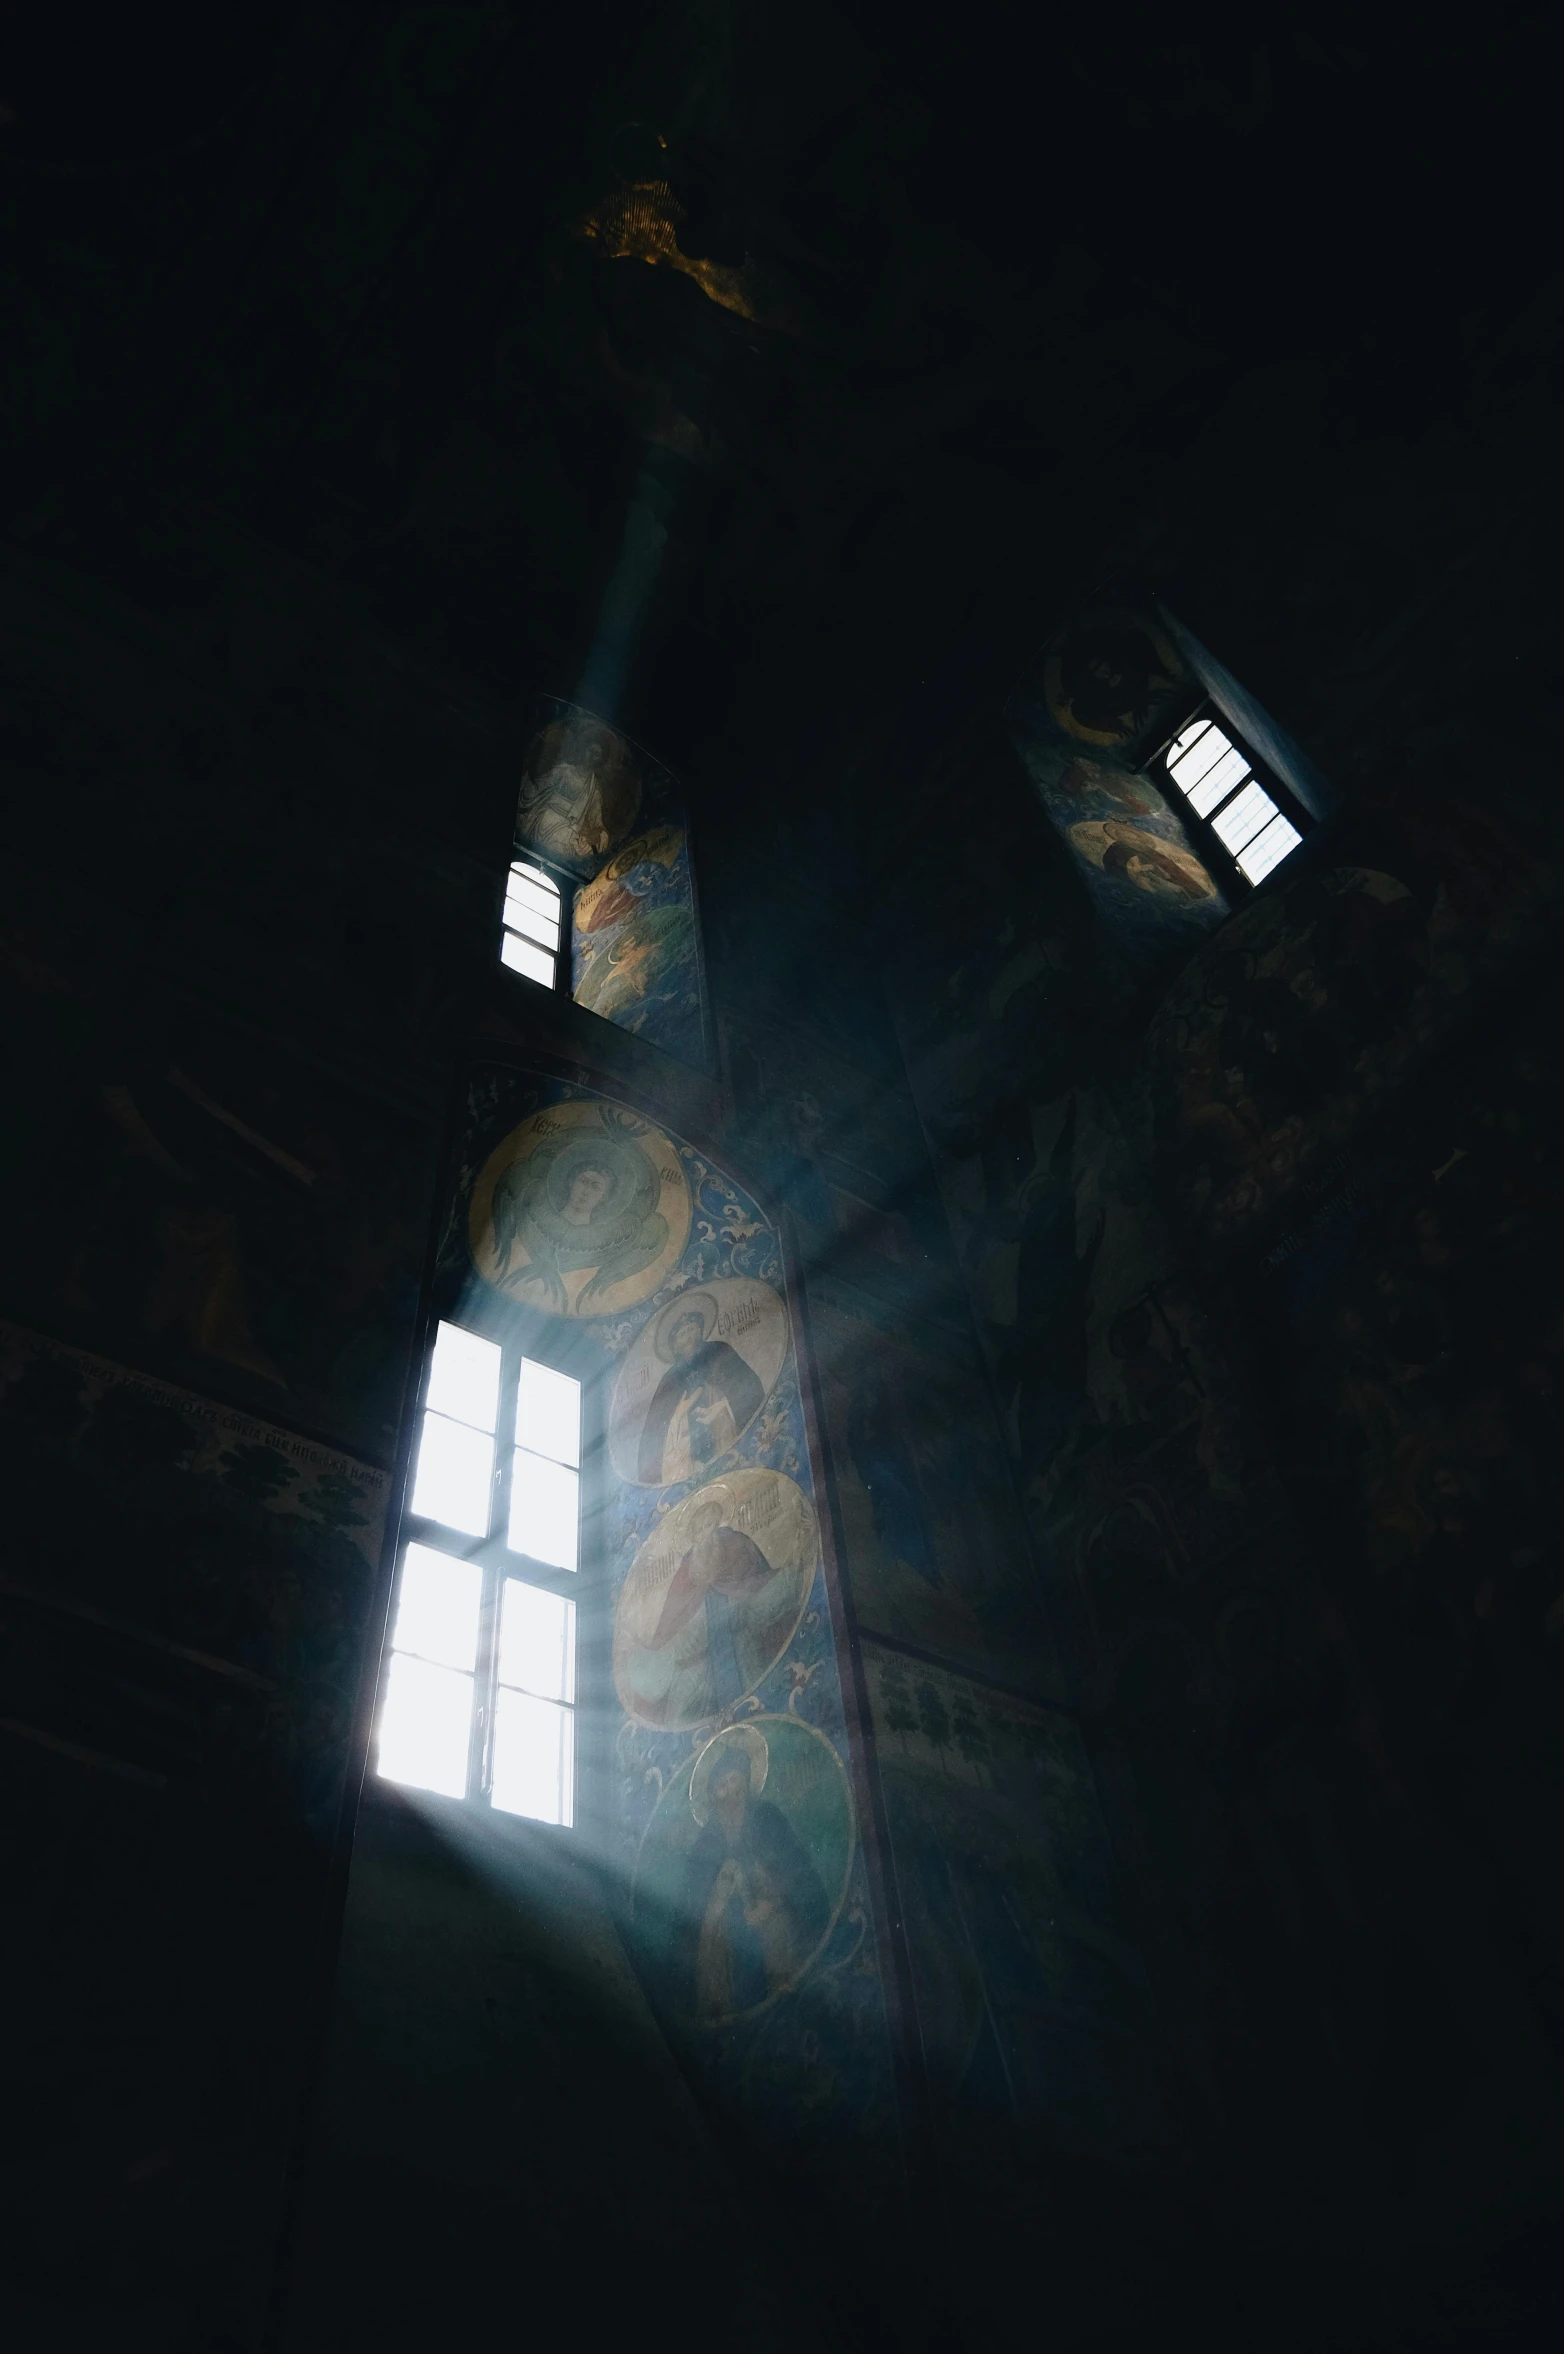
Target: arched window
534	917
1220	784
479	1695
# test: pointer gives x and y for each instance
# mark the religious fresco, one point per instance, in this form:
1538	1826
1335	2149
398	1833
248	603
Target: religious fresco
1090	703
752	1910
189	1200
187	1610
635	957
1108	673
1272	1046
581	789
1418	1307
602	810
1029	1999
250	1549
744	1867
582	1211
695	1380
712	1599
1130	849
935	1548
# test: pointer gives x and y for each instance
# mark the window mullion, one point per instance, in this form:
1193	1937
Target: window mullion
487	1676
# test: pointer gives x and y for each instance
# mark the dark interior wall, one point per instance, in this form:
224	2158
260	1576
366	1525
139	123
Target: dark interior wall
1225	1930
1244	1241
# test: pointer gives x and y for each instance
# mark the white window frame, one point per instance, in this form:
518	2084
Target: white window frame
535	935
1238	810
488	1557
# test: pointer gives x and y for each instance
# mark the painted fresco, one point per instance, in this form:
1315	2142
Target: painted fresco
193	1201
1107	674
744	1867
186	1611
1029	2000
634	955
1270	1049
1419	1310
714	1583
251	1550
838	1145
602	810
581	789
582	1210
935	1549
695	1380
713	1598
1103	683
1134	856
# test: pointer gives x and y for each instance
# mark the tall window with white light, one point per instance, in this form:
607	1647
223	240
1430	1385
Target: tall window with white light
479	1696
1219	783
534	915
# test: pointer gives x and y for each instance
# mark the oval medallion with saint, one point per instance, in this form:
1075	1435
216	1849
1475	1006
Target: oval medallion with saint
713	1598
699	1373
582	1210
744	1867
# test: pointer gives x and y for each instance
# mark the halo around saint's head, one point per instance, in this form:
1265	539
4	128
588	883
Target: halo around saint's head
738	1741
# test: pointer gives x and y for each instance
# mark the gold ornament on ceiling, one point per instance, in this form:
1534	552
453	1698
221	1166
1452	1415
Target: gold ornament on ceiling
637	221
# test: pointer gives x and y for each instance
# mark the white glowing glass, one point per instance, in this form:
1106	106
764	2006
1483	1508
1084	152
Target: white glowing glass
1218	782
537	1641
464	1377
529	911
1196	750
425	1726
523	875
548	1412
543	1511
455	1467
1237	825
536	928
539	899
533	1758
1269	848
523	956
437	1607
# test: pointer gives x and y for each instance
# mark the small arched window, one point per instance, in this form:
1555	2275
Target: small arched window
1219	782
534	916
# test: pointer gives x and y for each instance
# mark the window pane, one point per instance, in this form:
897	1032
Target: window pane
1187	738
538	1641
543	1511
523	957
533	1758
1198	750
1214	787
425	1723
437	1607
464	1378
519	893
548	1412
522	872
1269	848
1242	819
536	928
455	1465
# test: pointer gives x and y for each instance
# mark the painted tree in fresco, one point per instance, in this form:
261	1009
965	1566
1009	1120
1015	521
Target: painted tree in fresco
970	1739
934	1718
897	1702
254	1473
